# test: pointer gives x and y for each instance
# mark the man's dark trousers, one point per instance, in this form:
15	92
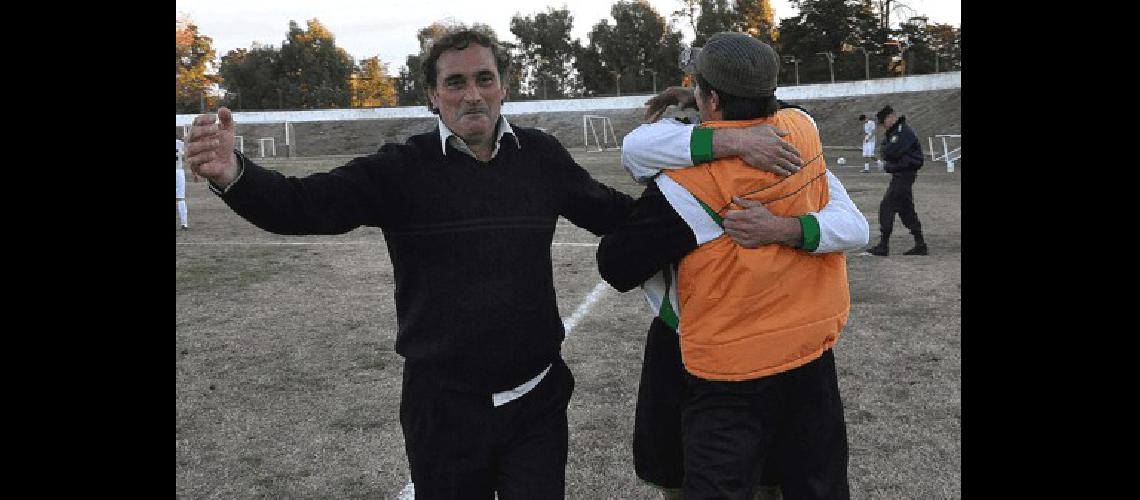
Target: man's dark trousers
899	199
790	424
460	446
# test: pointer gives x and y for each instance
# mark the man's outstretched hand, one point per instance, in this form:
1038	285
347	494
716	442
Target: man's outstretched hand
210	147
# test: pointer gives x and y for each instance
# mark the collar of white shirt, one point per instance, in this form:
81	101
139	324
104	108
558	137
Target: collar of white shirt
445	135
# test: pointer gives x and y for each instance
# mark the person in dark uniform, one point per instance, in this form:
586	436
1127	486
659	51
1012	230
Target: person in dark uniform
902	157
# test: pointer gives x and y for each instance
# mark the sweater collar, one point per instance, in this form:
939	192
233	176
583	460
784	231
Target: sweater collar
445	135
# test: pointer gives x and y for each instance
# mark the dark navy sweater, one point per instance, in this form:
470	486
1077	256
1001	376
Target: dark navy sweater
469	243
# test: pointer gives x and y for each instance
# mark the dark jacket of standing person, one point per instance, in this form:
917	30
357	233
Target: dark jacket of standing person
902	157
902	153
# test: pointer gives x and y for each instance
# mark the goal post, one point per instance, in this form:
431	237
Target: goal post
949	155
261	146
290	140
239	143
604	139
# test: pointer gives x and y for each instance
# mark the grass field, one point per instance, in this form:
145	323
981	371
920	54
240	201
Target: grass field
288	385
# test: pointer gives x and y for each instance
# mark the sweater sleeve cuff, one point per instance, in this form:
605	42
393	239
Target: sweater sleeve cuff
241	170
700	145
810	228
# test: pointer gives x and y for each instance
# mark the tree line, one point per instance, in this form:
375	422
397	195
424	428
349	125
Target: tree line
636	50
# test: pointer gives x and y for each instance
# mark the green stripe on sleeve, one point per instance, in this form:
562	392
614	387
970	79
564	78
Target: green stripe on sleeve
667	315
666	312
712	213
810	228
700	145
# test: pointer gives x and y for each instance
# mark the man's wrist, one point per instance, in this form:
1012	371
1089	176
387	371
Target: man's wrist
223	185
725	142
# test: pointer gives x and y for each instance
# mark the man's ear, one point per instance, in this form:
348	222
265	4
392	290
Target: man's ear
431	98
714	100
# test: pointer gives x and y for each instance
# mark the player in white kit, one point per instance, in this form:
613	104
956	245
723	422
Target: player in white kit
180	183
868	142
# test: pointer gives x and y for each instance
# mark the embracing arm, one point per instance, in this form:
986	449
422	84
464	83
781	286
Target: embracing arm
837	227
652	237
587	203
669	144
842	226
665	144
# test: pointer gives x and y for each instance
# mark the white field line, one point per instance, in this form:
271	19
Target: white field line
584	308
409	491
252	243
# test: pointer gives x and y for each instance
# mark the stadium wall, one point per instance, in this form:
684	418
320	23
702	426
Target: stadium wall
932	104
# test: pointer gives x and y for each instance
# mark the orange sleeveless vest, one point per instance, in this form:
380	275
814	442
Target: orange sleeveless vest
749	313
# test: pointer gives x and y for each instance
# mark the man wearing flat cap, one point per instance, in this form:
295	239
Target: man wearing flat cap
756	325
902	157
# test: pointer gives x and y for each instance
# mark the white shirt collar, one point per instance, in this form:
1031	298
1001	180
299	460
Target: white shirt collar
445	135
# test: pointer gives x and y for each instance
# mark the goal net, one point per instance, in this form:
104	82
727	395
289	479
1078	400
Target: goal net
601	130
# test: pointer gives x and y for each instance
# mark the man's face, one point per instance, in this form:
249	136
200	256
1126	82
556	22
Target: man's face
468	93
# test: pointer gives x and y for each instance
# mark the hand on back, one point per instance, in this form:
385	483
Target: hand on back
762	147
682	97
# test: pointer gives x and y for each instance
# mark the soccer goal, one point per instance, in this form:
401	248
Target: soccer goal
261	146
948	155
590	126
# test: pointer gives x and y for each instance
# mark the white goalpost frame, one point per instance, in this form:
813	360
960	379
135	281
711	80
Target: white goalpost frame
948	155
261	146
288	133
588	129
239	141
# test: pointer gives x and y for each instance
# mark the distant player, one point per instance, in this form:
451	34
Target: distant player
180	183
868	142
